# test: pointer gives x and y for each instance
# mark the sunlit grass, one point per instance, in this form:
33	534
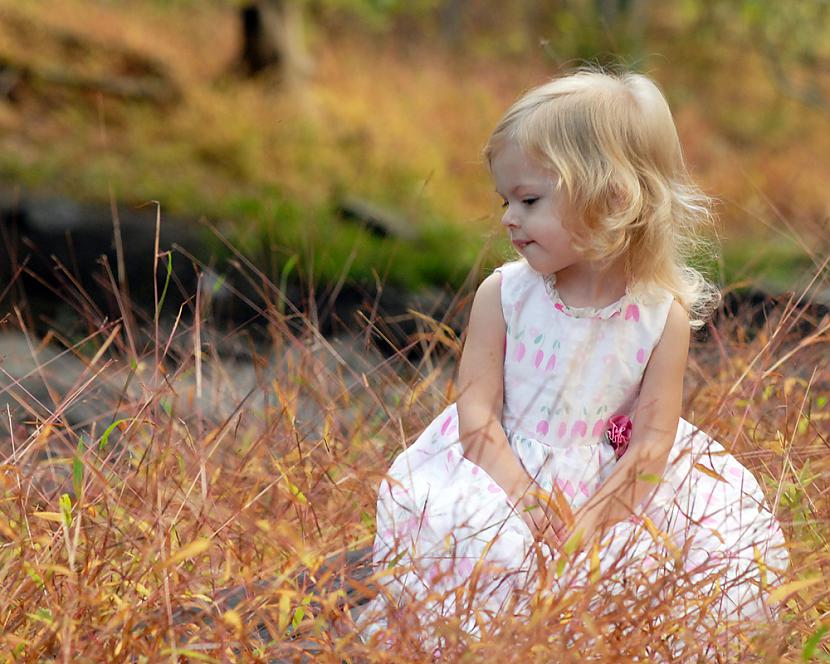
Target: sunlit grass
192	472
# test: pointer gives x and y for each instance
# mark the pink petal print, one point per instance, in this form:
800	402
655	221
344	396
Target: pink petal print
538	359
409	525
493	488
475	470
542	427
551	362
563	429
632	311
568	488
559	306
580	428
584	488
446	425
599	427
519	352
641	355
464	566
735	471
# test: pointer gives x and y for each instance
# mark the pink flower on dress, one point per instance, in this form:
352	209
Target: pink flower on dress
619	433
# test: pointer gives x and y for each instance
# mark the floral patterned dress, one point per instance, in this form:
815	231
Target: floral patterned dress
567	371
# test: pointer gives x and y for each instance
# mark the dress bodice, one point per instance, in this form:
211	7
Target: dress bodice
567	370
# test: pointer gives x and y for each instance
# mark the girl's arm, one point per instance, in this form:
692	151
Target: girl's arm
481	392
654	428
479	404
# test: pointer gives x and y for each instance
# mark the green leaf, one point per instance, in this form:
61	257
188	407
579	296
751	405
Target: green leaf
66	509
286	270
43	615
218	284
395	560
299	612
33	575
78	468
811	644
295	491
160	304
821	402
572	543
105	438
166	406
651	478
560	565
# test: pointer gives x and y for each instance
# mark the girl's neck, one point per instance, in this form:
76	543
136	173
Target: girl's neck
583	285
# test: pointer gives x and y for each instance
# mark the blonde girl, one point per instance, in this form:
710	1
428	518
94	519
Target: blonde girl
571	380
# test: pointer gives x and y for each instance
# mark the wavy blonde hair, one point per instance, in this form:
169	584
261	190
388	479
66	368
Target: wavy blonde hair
610	141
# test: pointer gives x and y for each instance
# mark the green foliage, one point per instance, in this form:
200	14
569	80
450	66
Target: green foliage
777	264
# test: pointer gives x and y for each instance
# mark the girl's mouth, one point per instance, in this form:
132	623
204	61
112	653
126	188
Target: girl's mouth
521	244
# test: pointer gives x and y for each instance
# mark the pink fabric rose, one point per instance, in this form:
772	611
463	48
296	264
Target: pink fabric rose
618	433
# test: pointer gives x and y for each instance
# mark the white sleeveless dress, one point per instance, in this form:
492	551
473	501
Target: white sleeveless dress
567	370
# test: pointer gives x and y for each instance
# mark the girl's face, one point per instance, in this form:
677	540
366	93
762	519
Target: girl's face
535	212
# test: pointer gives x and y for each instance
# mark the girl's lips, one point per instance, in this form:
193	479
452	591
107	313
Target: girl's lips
521	244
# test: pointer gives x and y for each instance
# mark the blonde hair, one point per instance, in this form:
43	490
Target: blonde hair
611	141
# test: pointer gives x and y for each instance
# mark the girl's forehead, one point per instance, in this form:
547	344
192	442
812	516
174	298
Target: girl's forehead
512	169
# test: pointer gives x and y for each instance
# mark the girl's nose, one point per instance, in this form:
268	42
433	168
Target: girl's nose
507	219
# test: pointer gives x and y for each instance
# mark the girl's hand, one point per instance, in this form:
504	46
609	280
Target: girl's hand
583	533
544	524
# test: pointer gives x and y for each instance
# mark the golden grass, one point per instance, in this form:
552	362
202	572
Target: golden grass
196	474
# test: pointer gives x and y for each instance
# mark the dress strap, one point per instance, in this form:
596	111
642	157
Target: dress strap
514	282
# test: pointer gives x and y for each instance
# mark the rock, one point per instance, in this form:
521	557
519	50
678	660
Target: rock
378	220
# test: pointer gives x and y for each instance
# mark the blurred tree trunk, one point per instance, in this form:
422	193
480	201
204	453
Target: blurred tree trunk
451	15
273	39
628	13
610	11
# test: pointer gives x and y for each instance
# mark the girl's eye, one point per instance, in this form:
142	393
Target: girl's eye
529	201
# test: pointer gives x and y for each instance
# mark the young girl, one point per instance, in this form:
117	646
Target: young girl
571	381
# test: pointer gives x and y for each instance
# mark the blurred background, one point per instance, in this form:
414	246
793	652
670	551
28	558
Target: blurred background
336	143
187	184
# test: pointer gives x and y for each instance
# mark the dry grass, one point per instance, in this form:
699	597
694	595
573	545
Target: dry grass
156	469
190	474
